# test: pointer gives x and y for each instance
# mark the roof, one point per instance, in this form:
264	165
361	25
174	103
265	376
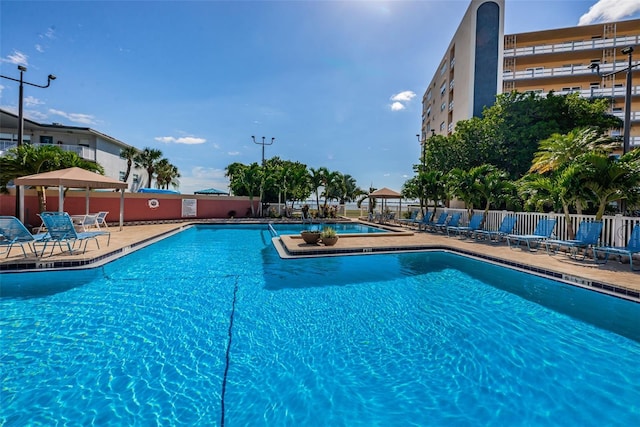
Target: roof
157	191
71	178
386	193
213	191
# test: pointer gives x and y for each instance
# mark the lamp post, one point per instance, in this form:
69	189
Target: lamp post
423	143
22	70
627	98
263	143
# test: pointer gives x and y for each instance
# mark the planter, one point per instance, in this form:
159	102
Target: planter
330	241
310	237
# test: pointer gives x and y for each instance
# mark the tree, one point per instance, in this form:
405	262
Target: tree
166	175
28	159
147	160
317	179
128	154
245	180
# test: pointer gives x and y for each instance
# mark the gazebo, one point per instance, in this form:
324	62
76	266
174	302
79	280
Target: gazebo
212	192
386	193
71	178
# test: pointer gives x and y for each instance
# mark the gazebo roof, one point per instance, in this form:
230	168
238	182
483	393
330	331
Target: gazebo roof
386	193
70	178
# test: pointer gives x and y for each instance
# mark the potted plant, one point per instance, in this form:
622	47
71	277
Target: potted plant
310	236
329	236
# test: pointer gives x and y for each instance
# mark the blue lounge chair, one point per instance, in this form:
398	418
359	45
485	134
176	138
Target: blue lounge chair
411	220
61	230
494	236
442	220
426	220
543	231
587	236
633	247
453	222
474	224
14	233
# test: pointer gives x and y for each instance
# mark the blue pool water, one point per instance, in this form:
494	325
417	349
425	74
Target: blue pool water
402	339
341	228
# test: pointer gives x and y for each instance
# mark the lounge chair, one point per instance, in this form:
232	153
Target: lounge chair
587	236
411	220
426	219
453	222
431	225
61	230
633	247
474	224
494	236
14	233
543	231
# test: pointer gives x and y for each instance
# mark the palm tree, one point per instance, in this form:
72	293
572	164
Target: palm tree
317	179
128	154
166	175
147	160
492	185
245	180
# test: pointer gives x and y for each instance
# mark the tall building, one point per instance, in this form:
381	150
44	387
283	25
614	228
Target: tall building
470	73
566	60
558	60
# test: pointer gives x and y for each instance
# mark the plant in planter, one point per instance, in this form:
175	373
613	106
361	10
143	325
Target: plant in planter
310	236
329	236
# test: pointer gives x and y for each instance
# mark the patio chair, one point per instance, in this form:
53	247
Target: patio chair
494	236
587	236
453	222
426	219
101	219
543	231
413	218
442	220
61	230
474	224
14	233
633	247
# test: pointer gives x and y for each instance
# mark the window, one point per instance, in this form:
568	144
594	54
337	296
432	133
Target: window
443	106
443	68
429	95
443	88
121	174
428	111
136	178
46	139
442	126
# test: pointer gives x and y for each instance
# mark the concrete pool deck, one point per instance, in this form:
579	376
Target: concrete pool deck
612	277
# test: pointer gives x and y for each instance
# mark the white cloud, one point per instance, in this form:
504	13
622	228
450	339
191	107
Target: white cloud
85	119
233	153
400	99
188	140
609	10
405	96
17	58
39	48
30	101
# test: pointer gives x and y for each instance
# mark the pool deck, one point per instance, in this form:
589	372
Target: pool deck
613	277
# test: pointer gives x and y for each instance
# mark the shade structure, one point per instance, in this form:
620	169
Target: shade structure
72	178
212	191
386	193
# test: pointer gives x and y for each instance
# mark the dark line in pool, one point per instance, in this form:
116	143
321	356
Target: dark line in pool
227	357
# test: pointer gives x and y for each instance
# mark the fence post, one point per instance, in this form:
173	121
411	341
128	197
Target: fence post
618	231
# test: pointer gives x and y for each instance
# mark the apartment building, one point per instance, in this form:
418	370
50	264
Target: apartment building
88	143
585	59
470	72
567	60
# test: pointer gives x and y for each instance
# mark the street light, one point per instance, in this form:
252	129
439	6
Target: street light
22	70
423	142
627	98
263	143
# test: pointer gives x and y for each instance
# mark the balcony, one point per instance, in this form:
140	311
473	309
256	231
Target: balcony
85	153
573	46
578	70
609	92
635	115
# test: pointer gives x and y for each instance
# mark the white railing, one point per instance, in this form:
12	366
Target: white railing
615	231
565	71
572	46
635	115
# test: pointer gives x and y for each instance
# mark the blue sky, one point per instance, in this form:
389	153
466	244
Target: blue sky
337	83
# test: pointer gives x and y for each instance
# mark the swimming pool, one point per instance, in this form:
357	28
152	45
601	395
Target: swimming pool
394	339
340	227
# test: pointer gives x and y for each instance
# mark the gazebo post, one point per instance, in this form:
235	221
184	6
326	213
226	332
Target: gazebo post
61	198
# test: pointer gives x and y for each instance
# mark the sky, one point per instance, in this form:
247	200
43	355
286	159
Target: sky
338	84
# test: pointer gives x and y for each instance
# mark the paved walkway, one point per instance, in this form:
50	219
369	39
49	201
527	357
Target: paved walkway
612	275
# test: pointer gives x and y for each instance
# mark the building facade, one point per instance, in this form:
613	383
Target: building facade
558	60
566	60
87	143
470	72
